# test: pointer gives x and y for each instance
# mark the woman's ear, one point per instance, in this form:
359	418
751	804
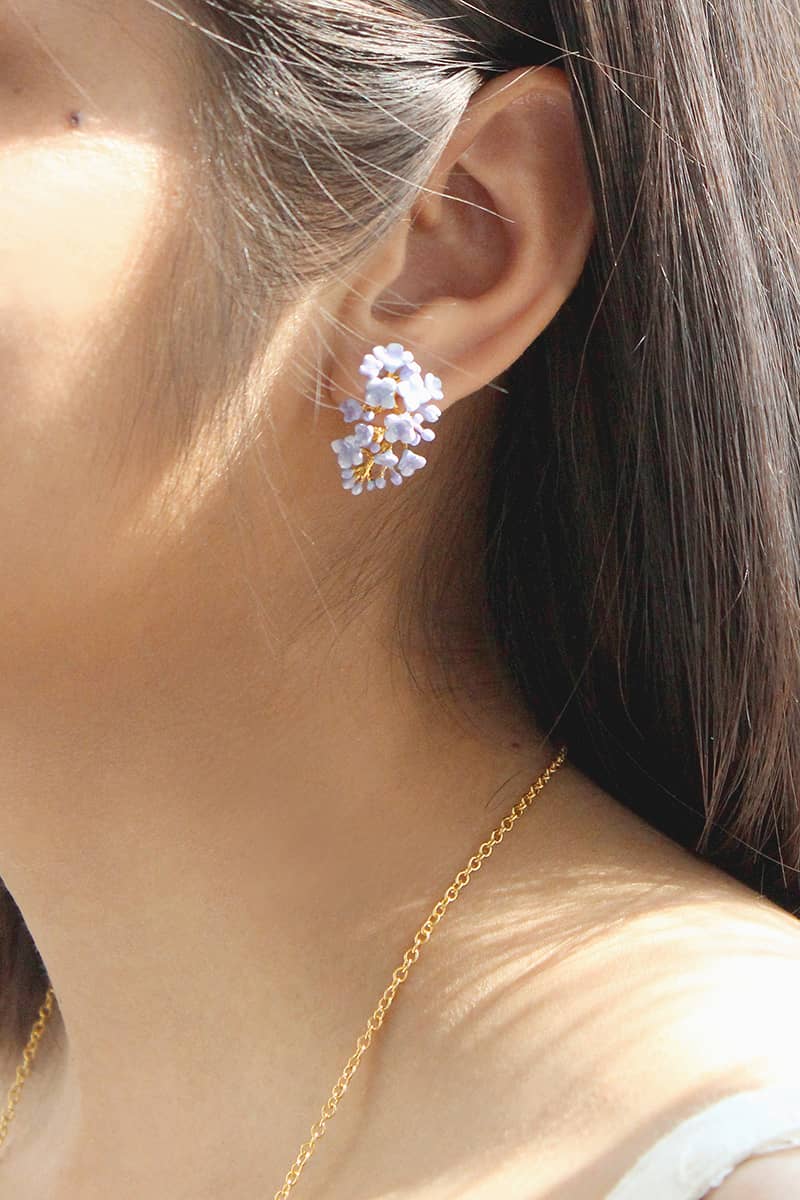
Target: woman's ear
491	248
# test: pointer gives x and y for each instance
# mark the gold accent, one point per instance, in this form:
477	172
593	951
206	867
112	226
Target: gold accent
375	1021
411	955
23	1071
364	472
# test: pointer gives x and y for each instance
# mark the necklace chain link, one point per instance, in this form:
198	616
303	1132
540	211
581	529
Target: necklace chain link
24	1069
375	1021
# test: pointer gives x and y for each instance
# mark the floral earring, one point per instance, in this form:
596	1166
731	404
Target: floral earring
398	401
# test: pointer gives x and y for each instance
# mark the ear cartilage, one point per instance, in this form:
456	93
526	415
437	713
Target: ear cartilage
398	401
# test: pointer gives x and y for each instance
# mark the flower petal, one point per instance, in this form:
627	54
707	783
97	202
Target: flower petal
410	462
413	392
351	409
371	366
363	434
434	386
399	428
393	356
381	393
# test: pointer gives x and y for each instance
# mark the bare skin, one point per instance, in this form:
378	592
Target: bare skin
227	807
556	1024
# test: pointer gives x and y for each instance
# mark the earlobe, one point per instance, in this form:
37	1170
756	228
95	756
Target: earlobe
494	244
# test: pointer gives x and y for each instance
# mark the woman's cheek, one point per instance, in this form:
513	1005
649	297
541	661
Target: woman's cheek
77	225
84	229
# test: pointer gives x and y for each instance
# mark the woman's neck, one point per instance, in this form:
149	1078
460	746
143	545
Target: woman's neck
221	835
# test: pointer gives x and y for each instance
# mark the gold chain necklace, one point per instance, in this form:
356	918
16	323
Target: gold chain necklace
376	1020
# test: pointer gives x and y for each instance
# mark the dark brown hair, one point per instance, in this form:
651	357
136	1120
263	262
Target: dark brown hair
642	528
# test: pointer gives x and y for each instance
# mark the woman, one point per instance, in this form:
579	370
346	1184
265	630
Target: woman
257	713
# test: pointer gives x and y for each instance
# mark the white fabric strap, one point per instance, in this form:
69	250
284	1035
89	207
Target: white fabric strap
699	1153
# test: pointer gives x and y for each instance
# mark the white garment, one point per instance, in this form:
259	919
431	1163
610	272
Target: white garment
701	1151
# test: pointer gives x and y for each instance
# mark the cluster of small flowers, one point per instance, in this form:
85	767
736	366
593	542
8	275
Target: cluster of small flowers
395	382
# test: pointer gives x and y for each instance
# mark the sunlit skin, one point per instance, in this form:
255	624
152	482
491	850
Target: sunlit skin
226	807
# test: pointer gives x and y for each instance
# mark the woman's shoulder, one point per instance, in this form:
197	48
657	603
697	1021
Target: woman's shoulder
651	985
773	1178
580	1001
676	986
744	1146
717	981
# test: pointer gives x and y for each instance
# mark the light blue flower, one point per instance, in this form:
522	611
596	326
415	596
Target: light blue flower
434	386
427	435
347	452
400	428
351	484
381	393
410	462
394	380
371	366
387	458
393	356
429	412
425	414
351	410
413	391
363	434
